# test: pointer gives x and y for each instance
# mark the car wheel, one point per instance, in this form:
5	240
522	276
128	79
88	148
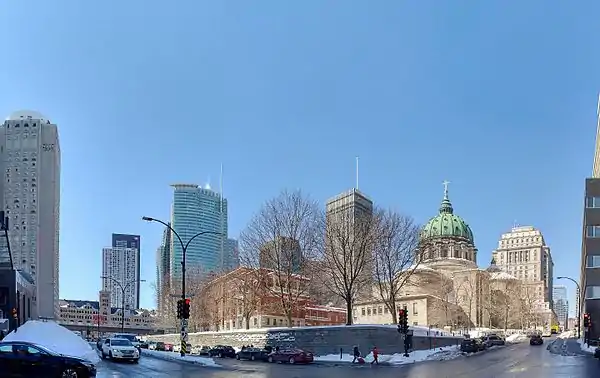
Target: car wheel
110	355
270	359
252	357
237	356
292	360
69	373
103	355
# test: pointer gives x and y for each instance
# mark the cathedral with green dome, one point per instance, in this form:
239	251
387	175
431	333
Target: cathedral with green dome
446	241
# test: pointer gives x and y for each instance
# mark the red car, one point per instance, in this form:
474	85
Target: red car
168	347
292	356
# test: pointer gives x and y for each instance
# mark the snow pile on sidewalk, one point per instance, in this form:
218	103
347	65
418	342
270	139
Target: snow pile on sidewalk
566	335
516	338
437	354
54	337
585	348
171	356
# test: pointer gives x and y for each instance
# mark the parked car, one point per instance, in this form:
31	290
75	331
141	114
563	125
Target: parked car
152	345
597	353
536	339
120	349
222	351
252	354
472	345
201	351
169	347
25	360
493	340
144	344
128	336
160	346
292	356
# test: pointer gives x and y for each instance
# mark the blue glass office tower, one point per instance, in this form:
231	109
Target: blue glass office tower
196	209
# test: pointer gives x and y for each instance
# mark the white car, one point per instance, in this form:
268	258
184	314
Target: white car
120	349
129	336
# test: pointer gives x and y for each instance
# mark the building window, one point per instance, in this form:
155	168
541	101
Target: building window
363	311
369	311
592	231
592	292
380	310
415	308
593	261
592	202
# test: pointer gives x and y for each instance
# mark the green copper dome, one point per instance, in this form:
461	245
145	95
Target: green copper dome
447	224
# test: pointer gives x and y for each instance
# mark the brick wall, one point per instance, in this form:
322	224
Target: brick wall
319	340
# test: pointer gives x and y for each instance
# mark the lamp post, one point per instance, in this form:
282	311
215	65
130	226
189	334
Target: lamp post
123	289
184	247
577	300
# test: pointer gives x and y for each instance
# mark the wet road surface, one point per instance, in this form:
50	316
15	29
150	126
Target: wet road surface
513	361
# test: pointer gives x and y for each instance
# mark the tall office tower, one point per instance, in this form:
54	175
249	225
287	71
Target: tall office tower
134	242
523	253
30	159
120	275
196	209
163	267
232	255
351	206
282	253
561	305
590	244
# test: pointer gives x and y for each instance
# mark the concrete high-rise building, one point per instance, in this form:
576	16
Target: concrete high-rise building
561	305
523	253
120	275
590	244
196	209
134	242
282	253
163	268
30	159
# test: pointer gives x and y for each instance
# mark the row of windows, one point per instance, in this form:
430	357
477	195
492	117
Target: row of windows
592	231
593	261
380	310
592	202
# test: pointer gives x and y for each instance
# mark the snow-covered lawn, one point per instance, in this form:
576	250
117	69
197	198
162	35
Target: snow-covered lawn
516	338
437	354
172	356
54	337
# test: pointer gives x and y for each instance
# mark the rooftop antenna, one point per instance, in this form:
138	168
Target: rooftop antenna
515	224
357	173
598	107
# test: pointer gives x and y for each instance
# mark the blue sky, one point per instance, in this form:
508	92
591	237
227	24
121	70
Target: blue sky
497	97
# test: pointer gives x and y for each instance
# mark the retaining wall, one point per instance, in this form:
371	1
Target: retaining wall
319	340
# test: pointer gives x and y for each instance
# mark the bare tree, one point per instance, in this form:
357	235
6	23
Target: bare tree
280	244
347	262
248	293
395	256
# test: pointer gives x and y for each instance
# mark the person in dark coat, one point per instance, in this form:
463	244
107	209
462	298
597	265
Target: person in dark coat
355	353
375	356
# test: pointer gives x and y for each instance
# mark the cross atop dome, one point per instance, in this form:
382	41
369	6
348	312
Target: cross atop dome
445	183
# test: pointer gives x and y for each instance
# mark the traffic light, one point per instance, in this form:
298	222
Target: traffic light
186	309
14	313
179	308
402	320
587	320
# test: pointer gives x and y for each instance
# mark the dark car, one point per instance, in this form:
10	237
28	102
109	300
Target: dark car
22	359
471	345
493	340
597	353
536	340
160	346
292	356
144	344
252	354
222	351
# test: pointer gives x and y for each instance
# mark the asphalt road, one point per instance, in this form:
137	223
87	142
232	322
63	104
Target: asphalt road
520	360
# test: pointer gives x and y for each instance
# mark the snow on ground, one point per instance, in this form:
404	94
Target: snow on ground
171	356
516	338
585	348
566	335
54	337
437	354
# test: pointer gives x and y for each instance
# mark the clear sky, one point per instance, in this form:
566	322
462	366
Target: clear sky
498	99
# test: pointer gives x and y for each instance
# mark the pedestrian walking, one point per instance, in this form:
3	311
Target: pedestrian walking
375	356
355	353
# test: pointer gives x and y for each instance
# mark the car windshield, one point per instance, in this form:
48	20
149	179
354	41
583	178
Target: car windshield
120	342
127	337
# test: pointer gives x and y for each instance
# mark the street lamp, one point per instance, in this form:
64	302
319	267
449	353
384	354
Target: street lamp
578	300
123	289
184	247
